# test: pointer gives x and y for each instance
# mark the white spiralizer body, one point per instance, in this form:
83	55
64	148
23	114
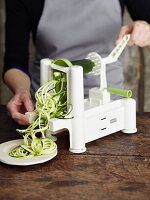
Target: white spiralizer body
91	118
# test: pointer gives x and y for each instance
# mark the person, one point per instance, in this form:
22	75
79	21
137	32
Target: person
69	29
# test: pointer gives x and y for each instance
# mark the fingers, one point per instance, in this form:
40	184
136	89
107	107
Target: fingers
20	118
140	33
28	103
17	107
15	114
127	29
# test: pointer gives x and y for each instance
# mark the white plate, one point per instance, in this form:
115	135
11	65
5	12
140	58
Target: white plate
6	147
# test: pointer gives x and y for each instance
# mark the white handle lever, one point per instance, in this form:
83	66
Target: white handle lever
116	52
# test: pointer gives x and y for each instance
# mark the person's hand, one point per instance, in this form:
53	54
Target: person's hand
18	105
140	33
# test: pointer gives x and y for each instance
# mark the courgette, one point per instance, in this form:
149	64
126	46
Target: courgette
85	63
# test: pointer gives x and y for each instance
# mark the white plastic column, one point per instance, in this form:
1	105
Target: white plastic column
129	115
77	140
44	70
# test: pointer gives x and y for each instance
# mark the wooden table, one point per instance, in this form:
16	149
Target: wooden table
114	167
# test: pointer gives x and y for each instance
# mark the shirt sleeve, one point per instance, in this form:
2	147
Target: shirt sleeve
139	9
17	32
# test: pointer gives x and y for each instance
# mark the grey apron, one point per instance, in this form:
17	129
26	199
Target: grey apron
73	28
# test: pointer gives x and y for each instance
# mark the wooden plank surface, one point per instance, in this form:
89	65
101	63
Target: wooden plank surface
113	168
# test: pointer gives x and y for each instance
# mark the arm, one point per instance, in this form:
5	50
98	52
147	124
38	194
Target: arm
19	83
140	28
16	76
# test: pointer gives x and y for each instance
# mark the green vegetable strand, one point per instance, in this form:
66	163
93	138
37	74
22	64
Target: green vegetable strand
51	102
